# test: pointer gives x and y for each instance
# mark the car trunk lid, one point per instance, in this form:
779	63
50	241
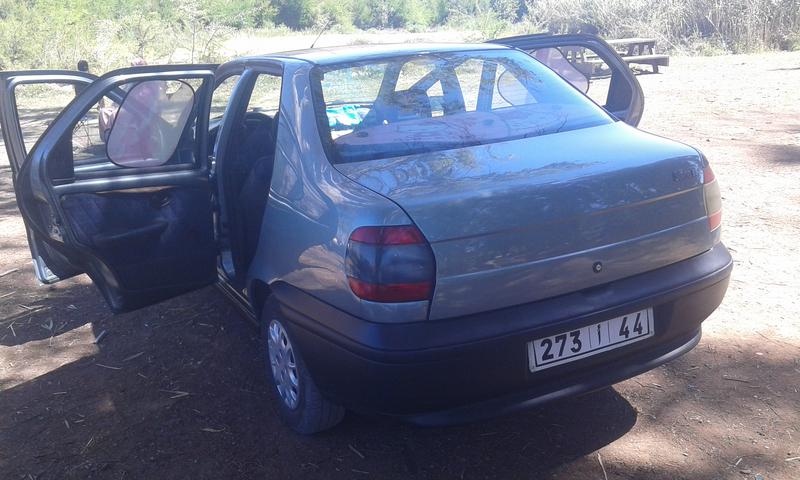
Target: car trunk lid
519	221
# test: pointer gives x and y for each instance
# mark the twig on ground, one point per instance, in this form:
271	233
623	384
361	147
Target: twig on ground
734	379
108	366
603	467
87	445
99	337
9	272
780	342
770	407
652	385
8	294
792	459
176	393
356	451
135	355
23	315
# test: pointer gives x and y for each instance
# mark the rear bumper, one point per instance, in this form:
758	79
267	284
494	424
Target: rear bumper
461	369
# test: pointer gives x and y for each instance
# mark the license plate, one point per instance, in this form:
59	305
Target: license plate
590	340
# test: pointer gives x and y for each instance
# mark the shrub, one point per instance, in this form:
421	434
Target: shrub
736	25
297	14
108	33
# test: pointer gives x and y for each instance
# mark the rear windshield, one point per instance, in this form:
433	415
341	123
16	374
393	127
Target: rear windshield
440	101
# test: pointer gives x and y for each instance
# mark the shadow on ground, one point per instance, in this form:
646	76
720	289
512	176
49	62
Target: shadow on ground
177	390
783	154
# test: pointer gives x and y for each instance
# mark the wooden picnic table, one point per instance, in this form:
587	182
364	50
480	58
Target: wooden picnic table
640	51
634	46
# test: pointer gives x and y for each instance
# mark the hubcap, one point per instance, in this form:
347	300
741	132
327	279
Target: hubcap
284	365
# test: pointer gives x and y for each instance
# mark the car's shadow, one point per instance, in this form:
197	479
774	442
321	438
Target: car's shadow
178	390
522	444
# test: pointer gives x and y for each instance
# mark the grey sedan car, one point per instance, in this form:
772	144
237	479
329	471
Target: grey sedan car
434	232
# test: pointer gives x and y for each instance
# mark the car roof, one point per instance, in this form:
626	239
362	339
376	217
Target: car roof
353	53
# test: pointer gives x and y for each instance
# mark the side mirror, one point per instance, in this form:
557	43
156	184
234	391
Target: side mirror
149	123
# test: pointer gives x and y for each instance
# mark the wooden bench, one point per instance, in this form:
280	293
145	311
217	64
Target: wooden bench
640	51
654	60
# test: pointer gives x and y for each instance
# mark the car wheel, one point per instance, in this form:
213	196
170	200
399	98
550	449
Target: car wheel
301	405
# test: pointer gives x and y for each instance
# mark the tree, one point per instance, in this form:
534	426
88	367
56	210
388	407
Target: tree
296	14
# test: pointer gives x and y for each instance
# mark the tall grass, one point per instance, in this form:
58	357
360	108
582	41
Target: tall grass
109	33
728	25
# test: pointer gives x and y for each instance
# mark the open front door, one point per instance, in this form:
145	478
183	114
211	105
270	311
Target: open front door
118	184
590	65
29	102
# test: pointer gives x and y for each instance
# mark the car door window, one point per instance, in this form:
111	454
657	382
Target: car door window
580	66
491	83
266	94
608	78
138	124
222	95
38	104
510	90
149	123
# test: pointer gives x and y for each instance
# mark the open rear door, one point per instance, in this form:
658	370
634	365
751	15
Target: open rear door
118	184
29	102
590	65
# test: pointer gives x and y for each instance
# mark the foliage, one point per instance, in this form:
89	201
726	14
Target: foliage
110	33
732	25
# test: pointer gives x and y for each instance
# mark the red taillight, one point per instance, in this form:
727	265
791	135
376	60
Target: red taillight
713	199
390	264
708	175
392	293
714	221
400	235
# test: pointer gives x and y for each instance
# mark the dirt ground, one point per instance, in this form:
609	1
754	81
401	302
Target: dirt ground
177	390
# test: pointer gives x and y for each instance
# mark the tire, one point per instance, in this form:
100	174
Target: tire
301	405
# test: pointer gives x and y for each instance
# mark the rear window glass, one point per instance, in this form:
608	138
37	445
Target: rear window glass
431	102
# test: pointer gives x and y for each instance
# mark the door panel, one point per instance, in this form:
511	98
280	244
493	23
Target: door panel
590	65
142	232
24	117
